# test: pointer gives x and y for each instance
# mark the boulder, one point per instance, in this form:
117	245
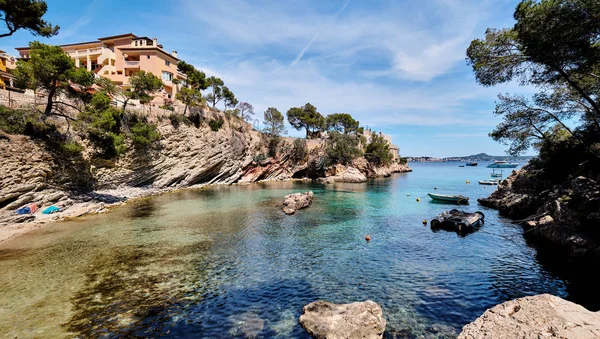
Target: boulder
323	319
351	175
297	201
539	316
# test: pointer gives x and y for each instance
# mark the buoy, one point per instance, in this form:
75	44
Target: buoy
424	222
408	194
467	181
368	237
435	188
418	199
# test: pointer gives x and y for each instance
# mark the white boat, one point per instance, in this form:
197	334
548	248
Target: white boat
456	199
502	164
489	182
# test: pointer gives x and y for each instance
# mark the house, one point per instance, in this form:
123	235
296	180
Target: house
395	150
7	63
118	57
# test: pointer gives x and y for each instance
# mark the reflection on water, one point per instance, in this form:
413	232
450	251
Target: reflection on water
227	262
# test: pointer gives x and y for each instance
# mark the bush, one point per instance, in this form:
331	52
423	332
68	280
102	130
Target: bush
342	148
299	151
176	119
215	125
70	148
378	151
195	119
274	142
259	158
12	121
144	133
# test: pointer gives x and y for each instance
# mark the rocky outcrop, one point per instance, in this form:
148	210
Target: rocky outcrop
323	319
297	201
541	316
564	216
348	174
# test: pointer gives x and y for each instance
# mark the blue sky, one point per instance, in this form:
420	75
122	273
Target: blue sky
397	66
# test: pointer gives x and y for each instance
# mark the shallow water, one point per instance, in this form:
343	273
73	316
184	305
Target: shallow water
226	262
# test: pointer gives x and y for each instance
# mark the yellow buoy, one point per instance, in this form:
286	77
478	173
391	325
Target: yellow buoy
424	222
418	199
467	181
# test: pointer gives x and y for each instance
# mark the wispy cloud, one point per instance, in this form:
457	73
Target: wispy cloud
81	22
301	53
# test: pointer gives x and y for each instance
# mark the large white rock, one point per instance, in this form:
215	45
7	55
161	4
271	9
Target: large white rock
297	201
325	320
540	316
351	175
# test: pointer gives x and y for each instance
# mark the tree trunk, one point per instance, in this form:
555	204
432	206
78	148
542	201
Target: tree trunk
49	103
579	90
185	109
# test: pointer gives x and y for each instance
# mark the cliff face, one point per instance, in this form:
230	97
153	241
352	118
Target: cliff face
31	172
565	216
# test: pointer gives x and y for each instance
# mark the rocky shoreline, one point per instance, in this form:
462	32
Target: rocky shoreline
187	157
562	216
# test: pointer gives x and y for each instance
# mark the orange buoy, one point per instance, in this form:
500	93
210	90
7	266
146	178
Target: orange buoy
368	237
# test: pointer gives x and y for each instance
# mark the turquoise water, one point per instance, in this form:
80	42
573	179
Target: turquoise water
226	262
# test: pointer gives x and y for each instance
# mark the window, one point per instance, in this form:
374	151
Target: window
148	56
167	76
167	63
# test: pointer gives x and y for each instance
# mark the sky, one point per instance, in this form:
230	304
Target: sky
398	66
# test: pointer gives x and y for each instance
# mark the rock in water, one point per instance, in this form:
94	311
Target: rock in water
539	316
351	175
326	320
297	201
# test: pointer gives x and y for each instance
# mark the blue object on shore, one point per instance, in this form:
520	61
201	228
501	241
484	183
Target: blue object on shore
24	210
50	210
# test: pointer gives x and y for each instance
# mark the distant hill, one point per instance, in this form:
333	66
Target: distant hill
473	157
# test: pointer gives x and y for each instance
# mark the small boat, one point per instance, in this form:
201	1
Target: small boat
455	199
461	165
489	182
471	163
503	164
457	221
494	174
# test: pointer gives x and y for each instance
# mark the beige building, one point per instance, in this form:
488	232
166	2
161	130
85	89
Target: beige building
118	57
393	148
7	64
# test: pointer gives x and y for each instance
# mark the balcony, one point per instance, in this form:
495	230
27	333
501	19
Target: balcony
132	64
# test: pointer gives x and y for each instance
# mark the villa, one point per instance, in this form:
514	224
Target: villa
118	57
7	63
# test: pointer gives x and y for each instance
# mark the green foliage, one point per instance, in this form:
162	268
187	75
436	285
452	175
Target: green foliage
342	148
273	145
101	123
215	124
299	151
142	133
229	98
26	14
216	95
70	148
142	85
342	122
189	97
274	122
378	151
555	46
246	110
51	69
308	118
12	121
196	79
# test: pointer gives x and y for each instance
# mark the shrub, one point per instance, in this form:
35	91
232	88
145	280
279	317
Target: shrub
299	151
274	142
378	151
70	148
144	133
342	148
12	121
259	158
176	119
195	119
215	125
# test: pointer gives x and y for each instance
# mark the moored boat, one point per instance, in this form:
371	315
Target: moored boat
455	199
457	221
489	182
502	164
471	163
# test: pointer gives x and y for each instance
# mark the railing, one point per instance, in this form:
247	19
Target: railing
95	50
132	64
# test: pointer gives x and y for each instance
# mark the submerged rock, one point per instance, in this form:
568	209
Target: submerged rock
538	316
323	319
297	201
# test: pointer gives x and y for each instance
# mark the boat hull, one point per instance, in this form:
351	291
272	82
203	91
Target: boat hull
502	165
449	198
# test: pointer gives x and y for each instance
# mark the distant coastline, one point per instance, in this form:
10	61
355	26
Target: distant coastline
482	157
